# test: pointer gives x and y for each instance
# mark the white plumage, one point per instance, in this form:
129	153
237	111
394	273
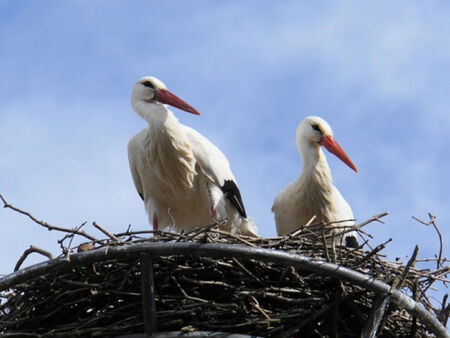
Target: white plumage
313	192
184	179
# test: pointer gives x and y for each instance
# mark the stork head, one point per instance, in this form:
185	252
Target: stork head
314	132
151	90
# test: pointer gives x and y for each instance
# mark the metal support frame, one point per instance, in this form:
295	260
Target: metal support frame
148	294
376	315
195	334
231	250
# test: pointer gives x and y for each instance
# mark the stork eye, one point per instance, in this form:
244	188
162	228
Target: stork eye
316	128
148	84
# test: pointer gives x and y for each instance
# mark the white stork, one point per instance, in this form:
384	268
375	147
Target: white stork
313	192
184	180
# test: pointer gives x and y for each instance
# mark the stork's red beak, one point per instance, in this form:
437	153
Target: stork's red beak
164	96
333	147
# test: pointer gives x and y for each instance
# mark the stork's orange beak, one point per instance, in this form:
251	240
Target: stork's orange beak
333	147
164	96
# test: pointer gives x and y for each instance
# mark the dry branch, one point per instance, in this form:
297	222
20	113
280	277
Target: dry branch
106	232
30	250
45	224
441	244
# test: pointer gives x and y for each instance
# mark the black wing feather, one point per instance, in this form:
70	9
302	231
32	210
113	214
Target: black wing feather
232	192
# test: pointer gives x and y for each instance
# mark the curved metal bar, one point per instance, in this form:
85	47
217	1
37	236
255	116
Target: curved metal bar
230	250
195	334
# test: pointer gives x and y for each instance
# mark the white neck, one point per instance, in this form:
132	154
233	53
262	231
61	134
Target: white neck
314	162
154	113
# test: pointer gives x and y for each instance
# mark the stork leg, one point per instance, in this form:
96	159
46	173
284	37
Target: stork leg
155	222
211	201
214	214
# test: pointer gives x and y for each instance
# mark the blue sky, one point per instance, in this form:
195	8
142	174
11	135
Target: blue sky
377	72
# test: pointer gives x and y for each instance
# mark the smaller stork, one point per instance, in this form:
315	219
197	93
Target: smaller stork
313	193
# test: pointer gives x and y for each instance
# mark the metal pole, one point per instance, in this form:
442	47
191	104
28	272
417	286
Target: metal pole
148	294
376	315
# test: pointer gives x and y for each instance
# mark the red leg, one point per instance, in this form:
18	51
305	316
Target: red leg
155	222
213	213
213	210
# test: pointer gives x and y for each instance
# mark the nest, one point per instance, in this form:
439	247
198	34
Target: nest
103	298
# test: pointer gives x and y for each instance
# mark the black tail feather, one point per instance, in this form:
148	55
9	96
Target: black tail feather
231	191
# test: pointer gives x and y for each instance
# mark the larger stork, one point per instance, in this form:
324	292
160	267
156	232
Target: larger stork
313	192
184	180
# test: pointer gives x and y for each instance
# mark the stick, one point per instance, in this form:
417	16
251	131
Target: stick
245	269
398	283
67	250
360	225
371	253
296	232
325	244
433	223
186	295
106	232
260	309
373	218
205	228
28	251
45	224
234	236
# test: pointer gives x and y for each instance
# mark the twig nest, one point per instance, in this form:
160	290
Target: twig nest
251	297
